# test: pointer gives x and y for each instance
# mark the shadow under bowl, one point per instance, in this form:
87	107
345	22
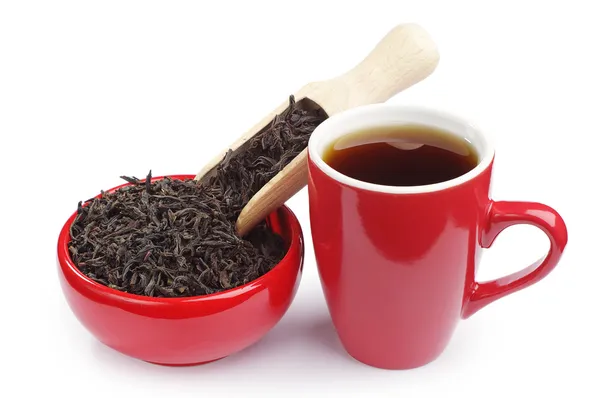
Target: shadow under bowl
188	330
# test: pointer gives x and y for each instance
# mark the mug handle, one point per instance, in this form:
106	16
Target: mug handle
502	215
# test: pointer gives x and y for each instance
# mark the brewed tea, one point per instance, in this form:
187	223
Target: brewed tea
406	155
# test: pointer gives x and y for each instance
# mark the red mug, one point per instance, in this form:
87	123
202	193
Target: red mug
397	264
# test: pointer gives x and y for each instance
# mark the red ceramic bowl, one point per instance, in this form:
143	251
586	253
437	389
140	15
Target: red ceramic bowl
186	331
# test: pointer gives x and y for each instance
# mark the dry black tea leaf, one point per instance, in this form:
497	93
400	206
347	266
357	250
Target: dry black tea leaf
176	238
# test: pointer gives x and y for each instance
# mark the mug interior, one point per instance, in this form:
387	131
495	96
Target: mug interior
382	115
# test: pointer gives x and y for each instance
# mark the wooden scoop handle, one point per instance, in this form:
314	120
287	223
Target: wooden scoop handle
405	56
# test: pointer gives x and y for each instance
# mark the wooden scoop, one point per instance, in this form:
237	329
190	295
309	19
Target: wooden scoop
405	56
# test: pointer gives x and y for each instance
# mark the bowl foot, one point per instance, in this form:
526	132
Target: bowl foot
176	365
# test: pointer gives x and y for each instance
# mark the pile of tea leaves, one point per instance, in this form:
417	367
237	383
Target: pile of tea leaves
177	238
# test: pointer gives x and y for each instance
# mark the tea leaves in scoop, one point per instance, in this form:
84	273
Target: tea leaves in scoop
174	238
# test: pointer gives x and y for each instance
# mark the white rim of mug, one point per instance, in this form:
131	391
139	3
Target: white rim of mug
395	114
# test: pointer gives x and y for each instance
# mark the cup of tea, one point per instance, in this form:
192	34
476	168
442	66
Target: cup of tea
400	212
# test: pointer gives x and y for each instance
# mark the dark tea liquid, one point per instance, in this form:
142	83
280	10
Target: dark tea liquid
406	155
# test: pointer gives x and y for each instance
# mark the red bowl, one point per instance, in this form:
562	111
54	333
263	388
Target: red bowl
191	330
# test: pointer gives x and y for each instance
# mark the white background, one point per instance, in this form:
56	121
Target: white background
90	91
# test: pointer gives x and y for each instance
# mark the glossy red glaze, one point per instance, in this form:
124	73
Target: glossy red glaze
184	331
398	269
